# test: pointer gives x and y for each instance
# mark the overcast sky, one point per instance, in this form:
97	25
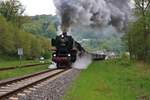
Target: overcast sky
38	7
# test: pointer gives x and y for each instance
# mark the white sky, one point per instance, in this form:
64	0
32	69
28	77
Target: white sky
38	7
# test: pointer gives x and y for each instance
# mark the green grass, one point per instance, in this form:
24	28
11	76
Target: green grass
108	80
21	71
13	63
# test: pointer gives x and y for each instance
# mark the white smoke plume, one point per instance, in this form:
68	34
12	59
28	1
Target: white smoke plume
95	13
82	62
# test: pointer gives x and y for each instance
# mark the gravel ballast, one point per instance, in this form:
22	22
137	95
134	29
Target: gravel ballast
52	89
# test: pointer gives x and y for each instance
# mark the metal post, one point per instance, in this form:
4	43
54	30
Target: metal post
20	59
20	53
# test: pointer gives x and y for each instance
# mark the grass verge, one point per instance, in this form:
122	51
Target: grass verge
21	71
13	63
109	80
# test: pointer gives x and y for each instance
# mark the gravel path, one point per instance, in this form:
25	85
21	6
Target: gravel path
51	90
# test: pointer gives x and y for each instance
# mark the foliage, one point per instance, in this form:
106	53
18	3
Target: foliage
12	10
124	60
137	38
44	25
47	55
7	43
12	38
105	43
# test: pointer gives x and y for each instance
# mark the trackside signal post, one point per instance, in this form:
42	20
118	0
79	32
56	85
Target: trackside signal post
20	53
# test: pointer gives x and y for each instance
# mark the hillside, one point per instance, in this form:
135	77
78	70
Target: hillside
44	25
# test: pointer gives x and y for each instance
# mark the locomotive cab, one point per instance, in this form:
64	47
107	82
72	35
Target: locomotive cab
64	54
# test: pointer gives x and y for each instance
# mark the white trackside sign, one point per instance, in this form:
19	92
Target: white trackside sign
20	51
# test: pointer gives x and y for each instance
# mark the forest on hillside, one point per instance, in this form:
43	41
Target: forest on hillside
14	36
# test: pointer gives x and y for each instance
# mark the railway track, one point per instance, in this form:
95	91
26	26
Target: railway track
14	86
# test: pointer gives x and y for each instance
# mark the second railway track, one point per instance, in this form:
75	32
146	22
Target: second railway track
9	88
22	66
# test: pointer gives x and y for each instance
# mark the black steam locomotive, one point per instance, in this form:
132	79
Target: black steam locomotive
64	52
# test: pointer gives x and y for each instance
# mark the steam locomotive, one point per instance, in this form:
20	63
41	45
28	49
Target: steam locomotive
65	50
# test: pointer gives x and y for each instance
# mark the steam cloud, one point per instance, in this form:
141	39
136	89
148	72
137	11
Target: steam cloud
95	13
82	62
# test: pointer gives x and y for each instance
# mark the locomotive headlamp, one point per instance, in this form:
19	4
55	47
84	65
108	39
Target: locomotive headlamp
62	36
54	55
69	55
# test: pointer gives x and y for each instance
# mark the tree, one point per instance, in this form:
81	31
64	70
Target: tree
7	44
51	30
138	31
135	40
12	10
142	11
44	25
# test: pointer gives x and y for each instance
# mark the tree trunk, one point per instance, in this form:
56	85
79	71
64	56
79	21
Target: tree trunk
145	46
130	46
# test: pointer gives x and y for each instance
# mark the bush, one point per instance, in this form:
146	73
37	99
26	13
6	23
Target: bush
47	55
124	60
